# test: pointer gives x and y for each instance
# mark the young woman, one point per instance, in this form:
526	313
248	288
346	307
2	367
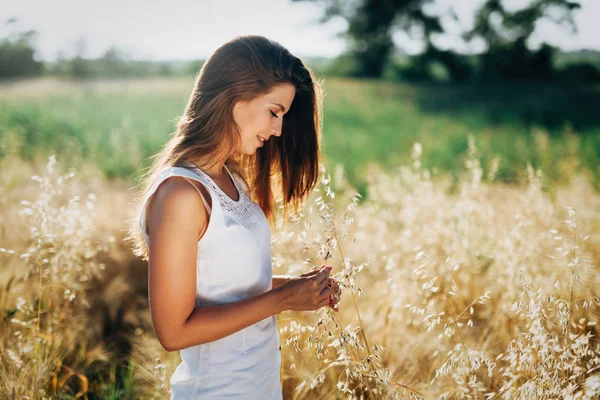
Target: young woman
249	136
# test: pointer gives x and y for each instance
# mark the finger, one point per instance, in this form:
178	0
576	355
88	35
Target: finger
310	273
322	285
332	283
325	292
322	275
313	272
334	306
322	303
335	287
337	290
335	295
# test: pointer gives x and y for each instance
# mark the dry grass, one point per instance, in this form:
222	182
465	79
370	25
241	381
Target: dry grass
468	289
490	292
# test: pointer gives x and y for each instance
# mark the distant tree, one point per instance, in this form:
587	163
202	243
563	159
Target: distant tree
193	67
371	24
80	66
61	66
580	72
113	63
457	67
164	69
17	53
506	34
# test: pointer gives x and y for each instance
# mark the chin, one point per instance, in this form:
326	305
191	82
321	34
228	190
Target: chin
249	152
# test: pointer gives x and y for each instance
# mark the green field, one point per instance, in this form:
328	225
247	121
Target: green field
117	124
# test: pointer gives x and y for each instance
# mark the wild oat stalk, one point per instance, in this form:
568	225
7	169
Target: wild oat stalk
50	312
572	224
331	242
361	325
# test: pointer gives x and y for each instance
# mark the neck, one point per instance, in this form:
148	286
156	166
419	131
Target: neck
212	169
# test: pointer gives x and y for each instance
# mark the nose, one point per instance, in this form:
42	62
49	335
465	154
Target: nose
278	128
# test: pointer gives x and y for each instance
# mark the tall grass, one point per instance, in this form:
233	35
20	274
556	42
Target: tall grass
463	296
452	288
46	347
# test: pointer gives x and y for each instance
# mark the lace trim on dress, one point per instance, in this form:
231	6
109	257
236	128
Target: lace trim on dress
244	208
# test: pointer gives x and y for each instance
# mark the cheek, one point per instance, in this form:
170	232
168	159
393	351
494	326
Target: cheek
255	126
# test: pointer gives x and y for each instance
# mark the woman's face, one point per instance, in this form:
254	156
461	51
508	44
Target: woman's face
262	117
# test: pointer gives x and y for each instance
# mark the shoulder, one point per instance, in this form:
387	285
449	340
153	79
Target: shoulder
175	189
175	200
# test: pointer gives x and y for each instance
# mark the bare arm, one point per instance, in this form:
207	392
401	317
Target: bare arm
279	280
206	324
176	218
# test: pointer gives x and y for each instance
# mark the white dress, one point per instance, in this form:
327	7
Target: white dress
234	263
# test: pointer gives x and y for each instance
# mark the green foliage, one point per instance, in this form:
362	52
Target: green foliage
17	59
17	54
506	33
114	63
578	73
371	24
434	65
118	125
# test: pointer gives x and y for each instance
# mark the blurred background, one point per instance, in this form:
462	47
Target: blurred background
513	73
498	96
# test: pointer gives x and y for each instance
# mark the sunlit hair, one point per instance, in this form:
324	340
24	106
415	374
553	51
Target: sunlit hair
285	169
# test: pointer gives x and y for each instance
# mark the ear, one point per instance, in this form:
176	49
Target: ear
237	107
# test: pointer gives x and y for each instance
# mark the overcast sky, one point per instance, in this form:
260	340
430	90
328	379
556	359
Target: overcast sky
191	29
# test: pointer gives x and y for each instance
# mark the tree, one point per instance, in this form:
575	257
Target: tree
17	53
371	24
506	34
80	66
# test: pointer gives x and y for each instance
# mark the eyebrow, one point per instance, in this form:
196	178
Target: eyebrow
280	106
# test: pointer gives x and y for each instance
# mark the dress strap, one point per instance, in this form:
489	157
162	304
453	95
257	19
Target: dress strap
200	193
224	196
215	211
244	209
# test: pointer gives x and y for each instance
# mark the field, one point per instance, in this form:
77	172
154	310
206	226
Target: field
116	125
463	222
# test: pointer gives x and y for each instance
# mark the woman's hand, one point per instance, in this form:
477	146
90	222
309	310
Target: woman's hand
309	291
336	294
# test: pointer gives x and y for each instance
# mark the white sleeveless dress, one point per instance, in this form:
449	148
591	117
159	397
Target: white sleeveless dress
234	263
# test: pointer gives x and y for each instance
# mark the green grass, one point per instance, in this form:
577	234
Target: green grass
117	124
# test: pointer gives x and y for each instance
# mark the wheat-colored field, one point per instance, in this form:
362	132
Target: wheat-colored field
453	288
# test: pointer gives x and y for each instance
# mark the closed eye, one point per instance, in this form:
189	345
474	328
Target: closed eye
273	114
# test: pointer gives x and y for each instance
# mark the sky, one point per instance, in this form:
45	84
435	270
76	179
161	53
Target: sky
192	29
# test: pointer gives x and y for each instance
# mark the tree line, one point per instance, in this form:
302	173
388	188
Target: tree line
504	33
18	59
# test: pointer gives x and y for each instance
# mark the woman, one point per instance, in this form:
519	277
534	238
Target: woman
249	136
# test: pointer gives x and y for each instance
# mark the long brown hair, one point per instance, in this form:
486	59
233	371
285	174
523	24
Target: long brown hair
284	170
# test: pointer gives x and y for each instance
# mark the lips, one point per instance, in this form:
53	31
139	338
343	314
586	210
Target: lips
261	140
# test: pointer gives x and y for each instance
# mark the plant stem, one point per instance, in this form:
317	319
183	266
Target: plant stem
462	340
354	357
572	285
362	328
38	328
